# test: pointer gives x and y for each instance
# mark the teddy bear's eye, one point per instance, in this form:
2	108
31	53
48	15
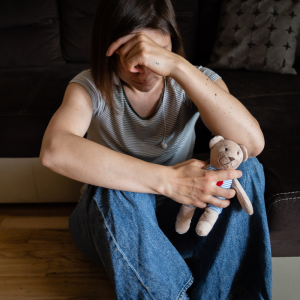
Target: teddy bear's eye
226	149
238	153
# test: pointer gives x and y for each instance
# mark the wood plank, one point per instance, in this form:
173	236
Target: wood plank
113	297
65	267
37	209
50	267
39	260
49	236
30	222
40	251
11	236
23	267
53	286
59	250
21	236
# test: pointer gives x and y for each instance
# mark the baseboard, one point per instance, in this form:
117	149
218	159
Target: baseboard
26	180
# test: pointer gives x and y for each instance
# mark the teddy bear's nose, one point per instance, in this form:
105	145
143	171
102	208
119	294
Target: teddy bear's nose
231	158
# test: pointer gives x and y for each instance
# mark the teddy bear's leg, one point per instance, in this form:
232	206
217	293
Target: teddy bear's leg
184	217
206	222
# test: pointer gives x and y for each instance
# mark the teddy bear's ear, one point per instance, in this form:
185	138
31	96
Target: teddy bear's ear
245	152
215	140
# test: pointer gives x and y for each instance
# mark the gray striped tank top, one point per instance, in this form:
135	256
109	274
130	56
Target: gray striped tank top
167	137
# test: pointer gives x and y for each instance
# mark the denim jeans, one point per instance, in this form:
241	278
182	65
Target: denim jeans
145	258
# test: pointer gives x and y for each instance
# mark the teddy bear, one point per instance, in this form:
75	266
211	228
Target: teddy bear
224	155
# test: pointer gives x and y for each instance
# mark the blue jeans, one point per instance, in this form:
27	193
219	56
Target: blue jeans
145	258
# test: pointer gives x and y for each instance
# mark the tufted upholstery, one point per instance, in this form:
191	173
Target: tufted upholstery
257	36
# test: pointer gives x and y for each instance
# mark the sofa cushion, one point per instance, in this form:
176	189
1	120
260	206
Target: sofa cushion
186	17
273	99
76	28
257	36
29	98
297	55
77	19
31	37
207	24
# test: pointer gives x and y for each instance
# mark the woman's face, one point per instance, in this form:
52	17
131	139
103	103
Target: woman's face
147	77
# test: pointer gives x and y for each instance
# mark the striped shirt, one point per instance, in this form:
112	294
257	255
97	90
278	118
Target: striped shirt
126	132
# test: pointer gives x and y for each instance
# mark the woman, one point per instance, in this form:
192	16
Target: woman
139	103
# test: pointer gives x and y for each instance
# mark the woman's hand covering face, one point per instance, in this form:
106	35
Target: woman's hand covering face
140	50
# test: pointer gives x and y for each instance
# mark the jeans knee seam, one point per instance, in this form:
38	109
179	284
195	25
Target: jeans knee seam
123	254
185	287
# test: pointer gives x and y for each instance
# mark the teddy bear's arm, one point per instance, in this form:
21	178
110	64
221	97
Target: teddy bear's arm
242	197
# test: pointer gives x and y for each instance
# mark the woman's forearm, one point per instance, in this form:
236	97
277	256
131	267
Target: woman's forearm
89	162
221	112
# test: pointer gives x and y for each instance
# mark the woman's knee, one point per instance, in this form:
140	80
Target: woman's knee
253	177
252	167
251	164
124	207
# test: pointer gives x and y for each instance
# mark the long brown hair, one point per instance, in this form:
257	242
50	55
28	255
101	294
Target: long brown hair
117	18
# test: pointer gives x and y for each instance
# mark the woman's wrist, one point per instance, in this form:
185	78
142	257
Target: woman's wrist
178	65
165	175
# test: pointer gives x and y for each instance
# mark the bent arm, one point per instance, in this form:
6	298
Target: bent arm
221	112
65	151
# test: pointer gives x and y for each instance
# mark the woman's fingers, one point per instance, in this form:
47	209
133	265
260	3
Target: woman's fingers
221	175
217	202
118	43
133	51
224	193
126	55
200	204
210	199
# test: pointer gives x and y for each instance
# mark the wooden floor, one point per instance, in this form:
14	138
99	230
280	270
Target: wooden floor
39	260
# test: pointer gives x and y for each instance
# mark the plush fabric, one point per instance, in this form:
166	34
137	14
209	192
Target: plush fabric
31	37
257	35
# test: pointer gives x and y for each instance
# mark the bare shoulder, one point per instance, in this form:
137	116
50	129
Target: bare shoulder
75	112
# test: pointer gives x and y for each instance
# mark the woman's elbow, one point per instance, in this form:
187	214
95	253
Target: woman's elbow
45	158
257	146
47	153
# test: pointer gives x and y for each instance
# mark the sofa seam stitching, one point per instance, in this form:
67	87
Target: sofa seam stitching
279	201
282	194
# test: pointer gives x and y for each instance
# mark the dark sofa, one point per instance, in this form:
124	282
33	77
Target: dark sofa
45	44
